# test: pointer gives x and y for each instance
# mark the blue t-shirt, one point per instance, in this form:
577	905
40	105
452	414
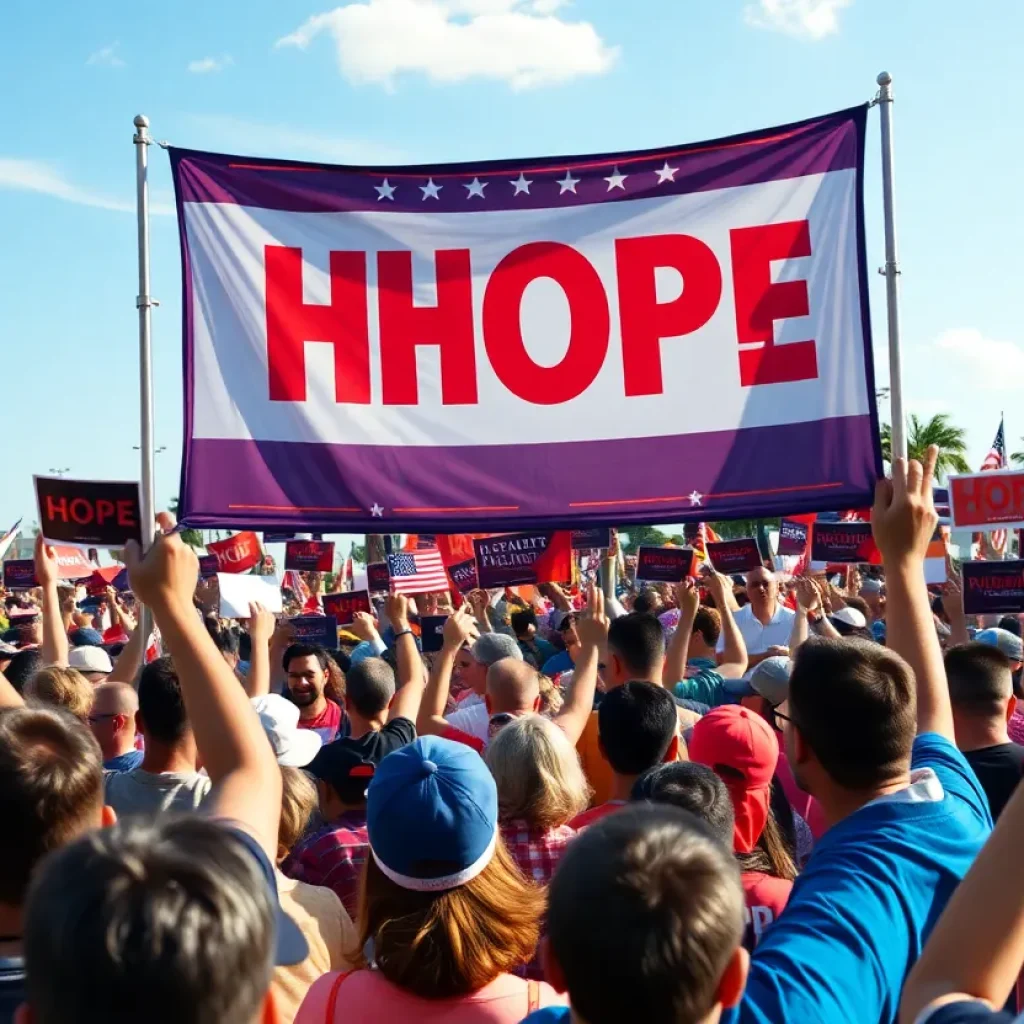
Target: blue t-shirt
561	662
124	762
869	897
969	1012
549	1015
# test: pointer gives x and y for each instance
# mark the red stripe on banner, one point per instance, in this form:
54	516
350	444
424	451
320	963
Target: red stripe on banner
464	508
295	508
723	494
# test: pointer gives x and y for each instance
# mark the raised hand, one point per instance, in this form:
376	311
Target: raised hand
47	572
165	576
363	626
688	597
460	629
903	519
396	606
261	624
592	624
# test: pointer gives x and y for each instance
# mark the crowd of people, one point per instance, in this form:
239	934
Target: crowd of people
753	801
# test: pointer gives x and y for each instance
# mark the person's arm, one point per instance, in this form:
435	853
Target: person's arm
480	603
409	691
903	521
231	742
261	629
579	701
977	948
55	637
733	661
9	696
129	661
953	606
556	595
688	602
458	630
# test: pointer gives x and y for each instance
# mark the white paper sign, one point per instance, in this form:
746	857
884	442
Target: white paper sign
237	591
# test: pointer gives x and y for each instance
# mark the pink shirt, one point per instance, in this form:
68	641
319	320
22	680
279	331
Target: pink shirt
367	997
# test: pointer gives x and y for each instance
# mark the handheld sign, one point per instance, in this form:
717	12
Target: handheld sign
238	553
735	556
845	543
316	629
20	574
792	538
343	607
238	592
309	555
536	556
664	565
993	587
464	575
209	565
432	632
598	537
377	579
277	538
987	501
101	514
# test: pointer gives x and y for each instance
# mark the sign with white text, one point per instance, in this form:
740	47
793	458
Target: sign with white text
358	342
993	587
309	555
664	565
987	501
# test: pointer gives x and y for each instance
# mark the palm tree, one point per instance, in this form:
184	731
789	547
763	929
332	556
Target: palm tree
1017	458
193	538
951	441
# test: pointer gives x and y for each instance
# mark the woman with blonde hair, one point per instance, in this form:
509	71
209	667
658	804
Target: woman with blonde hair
61	687
541	787
448	913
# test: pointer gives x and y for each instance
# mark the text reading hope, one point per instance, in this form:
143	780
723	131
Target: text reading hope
643	320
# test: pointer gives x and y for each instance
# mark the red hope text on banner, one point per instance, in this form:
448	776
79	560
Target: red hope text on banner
237	554
980	500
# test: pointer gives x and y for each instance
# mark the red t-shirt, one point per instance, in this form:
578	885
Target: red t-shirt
327	723
766	897
595	814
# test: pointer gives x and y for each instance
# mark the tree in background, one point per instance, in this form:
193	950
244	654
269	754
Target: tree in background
643	536
193	538
1017	458
951	441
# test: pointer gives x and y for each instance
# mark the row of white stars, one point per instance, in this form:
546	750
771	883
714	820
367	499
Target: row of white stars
385	190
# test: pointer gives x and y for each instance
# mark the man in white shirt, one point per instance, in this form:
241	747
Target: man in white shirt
765	624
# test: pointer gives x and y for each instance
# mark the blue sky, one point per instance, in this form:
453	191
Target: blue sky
433	80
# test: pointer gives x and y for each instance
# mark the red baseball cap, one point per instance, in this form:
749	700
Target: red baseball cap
741	748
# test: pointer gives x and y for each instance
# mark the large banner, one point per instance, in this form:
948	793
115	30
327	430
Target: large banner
653	336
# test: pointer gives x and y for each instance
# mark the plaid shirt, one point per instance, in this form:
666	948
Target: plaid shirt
537	851
333	856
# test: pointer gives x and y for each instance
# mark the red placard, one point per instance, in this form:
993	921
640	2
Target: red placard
238	553
665	565
344	606
981	501
735	556
309	555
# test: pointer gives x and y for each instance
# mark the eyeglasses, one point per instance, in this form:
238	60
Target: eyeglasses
778	717
93	719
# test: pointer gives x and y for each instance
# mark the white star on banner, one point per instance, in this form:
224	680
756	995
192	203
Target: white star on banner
522	184
667	174
385	191
568	183
430	190
696	497
376	511
476	188
616	180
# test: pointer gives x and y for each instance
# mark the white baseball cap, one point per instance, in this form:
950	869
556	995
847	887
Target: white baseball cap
293	747
90	659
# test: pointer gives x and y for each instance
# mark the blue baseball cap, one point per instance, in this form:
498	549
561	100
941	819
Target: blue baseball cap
432	815
1007	642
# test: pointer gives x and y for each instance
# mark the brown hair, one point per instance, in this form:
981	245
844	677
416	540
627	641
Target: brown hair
708	622
441	945
771	855
63	688
51	789
298	801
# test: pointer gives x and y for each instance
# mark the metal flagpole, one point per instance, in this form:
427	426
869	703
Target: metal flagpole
891	271
143	302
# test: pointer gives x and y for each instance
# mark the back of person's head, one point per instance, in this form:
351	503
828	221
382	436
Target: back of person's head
512	686
298	802
170	920
1011	623
51	790
226	639
980	680
854	703
63	688
645	919
690	787
637	725
637	642
161	705
24	665
538	773
522	620
708	623
369	687
647	602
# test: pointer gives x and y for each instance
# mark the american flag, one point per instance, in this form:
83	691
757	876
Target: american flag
417	572
996	459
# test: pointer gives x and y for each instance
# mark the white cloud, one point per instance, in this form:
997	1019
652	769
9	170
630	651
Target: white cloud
984	364
210	64
520	42
106	57
808	19
255	138
39	176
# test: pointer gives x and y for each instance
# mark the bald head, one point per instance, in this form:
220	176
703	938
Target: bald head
763	592
512	687
115	699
